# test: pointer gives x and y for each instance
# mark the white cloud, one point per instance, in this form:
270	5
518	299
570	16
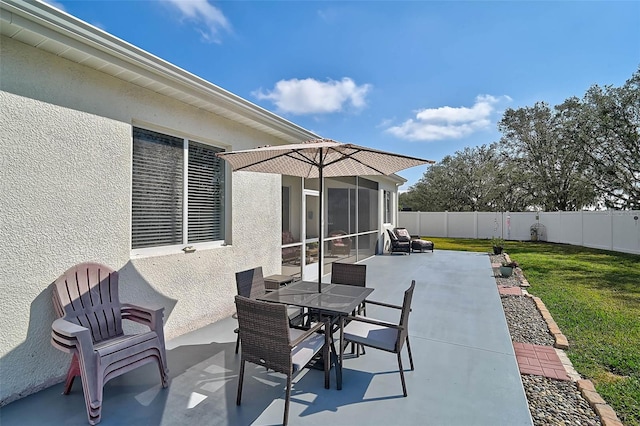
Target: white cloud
55	4
311	96
329	15
209	19
449	122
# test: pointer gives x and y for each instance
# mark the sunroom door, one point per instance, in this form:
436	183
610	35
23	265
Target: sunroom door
311	225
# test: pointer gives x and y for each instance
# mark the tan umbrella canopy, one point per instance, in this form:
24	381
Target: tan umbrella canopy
320	158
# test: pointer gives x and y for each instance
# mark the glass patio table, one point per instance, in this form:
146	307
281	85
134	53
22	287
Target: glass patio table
335	302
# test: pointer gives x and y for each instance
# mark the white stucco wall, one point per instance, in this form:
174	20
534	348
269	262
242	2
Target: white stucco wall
65	184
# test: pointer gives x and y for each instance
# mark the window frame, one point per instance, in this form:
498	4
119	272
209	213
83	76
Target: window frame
286	208
387	207
179	248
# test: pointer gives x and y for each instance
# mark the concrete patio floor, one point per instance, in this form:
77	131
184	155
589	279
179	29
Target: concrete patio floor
465	366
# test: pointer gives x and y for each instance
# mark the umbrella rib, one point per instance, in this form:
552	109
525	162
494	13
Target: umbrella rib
375	151
258	162
345	156
302	158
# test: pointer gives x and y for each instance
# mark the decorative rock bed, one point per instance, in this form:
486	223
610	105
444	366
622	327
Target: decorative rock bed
557	402
526	325
551	402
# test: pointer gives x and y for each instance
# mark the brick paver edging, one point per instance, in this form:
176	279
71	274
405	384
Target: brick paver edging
561	339
607	415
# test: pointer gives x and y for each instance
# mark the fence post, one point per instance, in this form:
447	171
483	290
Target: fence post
582	228
475	225
611	216
446	224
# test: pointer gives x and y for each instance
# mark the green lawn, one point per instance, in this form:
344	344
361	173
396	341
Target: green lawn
594	296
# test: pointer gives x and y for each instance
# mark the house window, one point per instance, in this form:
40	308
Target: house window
177	191
387	207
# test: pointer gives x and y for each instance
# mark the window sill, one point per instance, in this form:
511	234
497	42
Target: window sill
177	249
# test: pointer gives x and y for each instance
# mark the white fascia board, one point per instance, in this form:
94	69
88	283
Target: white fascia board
395	179
392	178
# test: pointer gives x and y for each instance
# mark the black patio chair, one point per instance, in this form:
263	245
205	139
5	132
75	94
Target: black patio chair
382	335
250	284
400	240
267	340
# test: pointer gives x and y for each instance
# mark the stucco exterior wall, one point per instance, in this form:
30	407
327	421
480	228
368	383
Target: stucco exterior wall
66	198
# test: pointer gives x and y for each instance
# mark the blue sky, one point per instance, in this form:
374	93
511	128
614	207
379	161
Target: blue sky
421	78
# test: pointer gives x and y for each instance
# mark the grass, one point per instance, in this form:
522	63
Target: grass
594	296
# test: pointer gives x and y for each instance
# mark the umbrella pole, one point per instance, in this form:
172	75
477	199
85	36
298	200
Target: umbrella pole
320	228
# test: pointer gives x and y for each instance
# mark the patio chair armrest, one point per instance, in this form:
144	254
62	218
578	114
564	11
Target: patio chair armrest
307	333
386	305
69	337
151	317
375	322
67	328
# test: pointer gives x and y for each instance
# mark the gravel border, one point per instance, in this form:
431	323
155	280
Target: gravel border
551	402
557	402
526	325
513	280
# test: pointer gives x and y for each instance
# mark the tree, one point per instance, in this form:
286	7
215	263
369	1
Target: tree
611	119
511	191
581	153
546	144
474	179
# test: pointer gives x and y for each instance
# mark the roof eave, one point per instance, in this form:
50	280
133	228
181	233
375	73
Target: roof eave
53	30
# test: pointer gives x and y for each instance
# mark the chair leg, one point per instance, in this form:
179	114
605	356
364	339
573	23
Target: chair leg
364	313
92	383
74	370
237	331
356	348
164	371
286	401
240	379
404	386
336	359
326	355
410	357
161	358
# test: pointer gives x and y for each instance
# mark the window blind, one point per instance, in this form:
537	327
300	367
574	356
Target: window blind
157	189
206	194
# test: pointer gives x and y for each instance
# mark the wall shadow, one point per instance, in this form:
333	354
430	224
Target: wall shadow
25	361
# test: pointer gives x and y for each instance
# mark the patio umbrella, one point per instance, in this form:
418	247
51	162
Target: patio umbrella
319	158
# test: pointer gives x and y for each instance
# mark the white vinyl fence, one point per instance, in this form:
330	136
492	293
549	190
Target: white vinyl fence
608	230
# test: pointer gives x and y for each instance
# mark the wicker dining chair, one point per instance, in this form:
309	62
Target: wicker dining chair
350	274
267	340
384	335
250	283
